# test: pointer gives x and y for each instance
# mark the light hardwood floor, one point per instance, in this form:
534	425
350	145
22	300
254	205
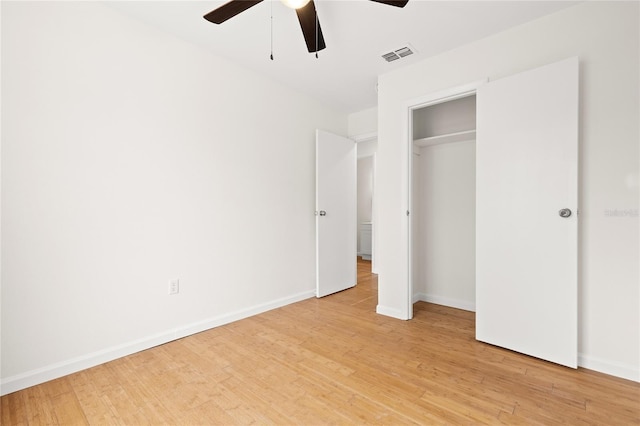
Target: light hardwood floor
330	361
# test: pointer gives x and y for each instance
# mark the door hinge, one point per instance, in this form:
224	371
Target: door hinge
407	212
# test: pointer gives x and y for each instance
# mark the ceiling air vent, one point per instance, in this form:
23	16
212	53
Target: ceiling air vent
390	57
398	53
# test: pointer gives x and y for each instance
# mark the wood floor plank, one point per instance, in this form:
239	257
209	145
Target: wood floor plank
94	408
39	406
13	409
330	361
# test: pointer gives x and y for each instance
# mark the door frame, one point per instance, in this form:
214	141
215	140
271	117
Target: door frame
409	107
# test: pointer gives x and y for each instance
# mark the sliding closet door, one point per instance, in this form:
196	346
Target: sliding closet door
526	212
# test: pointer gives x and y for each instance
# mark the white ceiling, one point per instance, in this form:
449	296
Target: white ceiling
357	33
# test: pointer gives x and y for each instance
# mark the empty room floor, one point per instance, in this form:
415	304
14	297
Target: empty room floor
330	361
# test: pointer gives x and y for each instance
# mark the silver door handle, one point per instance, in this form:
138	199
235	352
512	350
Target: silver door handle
564	213
323	213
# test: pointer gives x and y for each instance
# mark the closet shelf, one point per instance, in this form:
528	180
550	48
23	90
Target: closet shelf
448	138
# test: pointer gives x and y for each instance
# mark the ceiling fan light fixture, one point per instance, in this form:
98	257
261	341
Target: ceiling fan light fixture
295	4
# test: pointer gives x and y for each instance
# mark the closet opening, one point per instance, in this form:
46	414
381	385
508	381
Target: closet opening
442	223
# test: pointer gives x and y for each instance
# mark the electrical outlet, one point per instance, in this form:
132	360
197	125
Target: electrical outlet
174	286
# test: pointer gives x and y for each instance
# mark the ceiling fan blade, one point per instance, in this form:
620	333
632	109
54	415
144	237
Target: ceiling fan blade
396	3
308	20
229	10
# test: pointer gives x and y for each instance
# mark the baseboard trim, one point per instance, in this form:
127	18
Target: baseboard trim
54	371
391	312
623	371
445	301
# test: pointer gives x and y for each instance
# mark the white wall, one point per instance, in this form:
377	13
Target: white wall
458	115
444	224
130	158
606	38
367	148
363	122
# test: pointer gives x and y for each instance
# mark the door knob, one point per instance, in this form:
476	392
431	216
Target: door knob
323	213
565	213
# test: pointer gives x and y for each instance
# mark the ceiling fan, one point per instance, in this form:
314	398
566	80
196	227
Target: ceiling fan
305	9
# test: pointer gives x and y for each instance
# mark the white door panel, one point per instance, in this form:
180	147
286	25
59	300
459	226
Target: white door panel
526	254
336	213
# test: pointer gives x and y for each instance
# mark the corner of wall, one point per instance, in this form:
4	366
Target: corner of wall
363	122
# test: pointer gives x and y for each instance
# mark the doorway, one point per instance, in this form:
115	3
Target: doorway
443	202
441	137
338	234
366	154
526	196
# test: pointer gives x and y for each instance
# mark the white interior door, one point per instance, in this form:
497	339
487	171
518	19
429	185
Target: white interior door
526	253
336	213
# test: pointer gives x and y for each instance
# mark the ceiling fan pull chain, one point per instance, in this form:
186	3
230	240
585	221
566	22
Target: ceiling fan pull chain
271	56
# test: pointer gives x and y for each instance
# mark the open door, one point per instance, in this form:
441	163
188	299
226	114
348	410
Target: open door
336	213
527	212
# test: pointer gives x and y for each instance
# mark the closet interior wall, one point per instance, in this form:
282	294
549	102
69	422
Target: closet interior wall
443	204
